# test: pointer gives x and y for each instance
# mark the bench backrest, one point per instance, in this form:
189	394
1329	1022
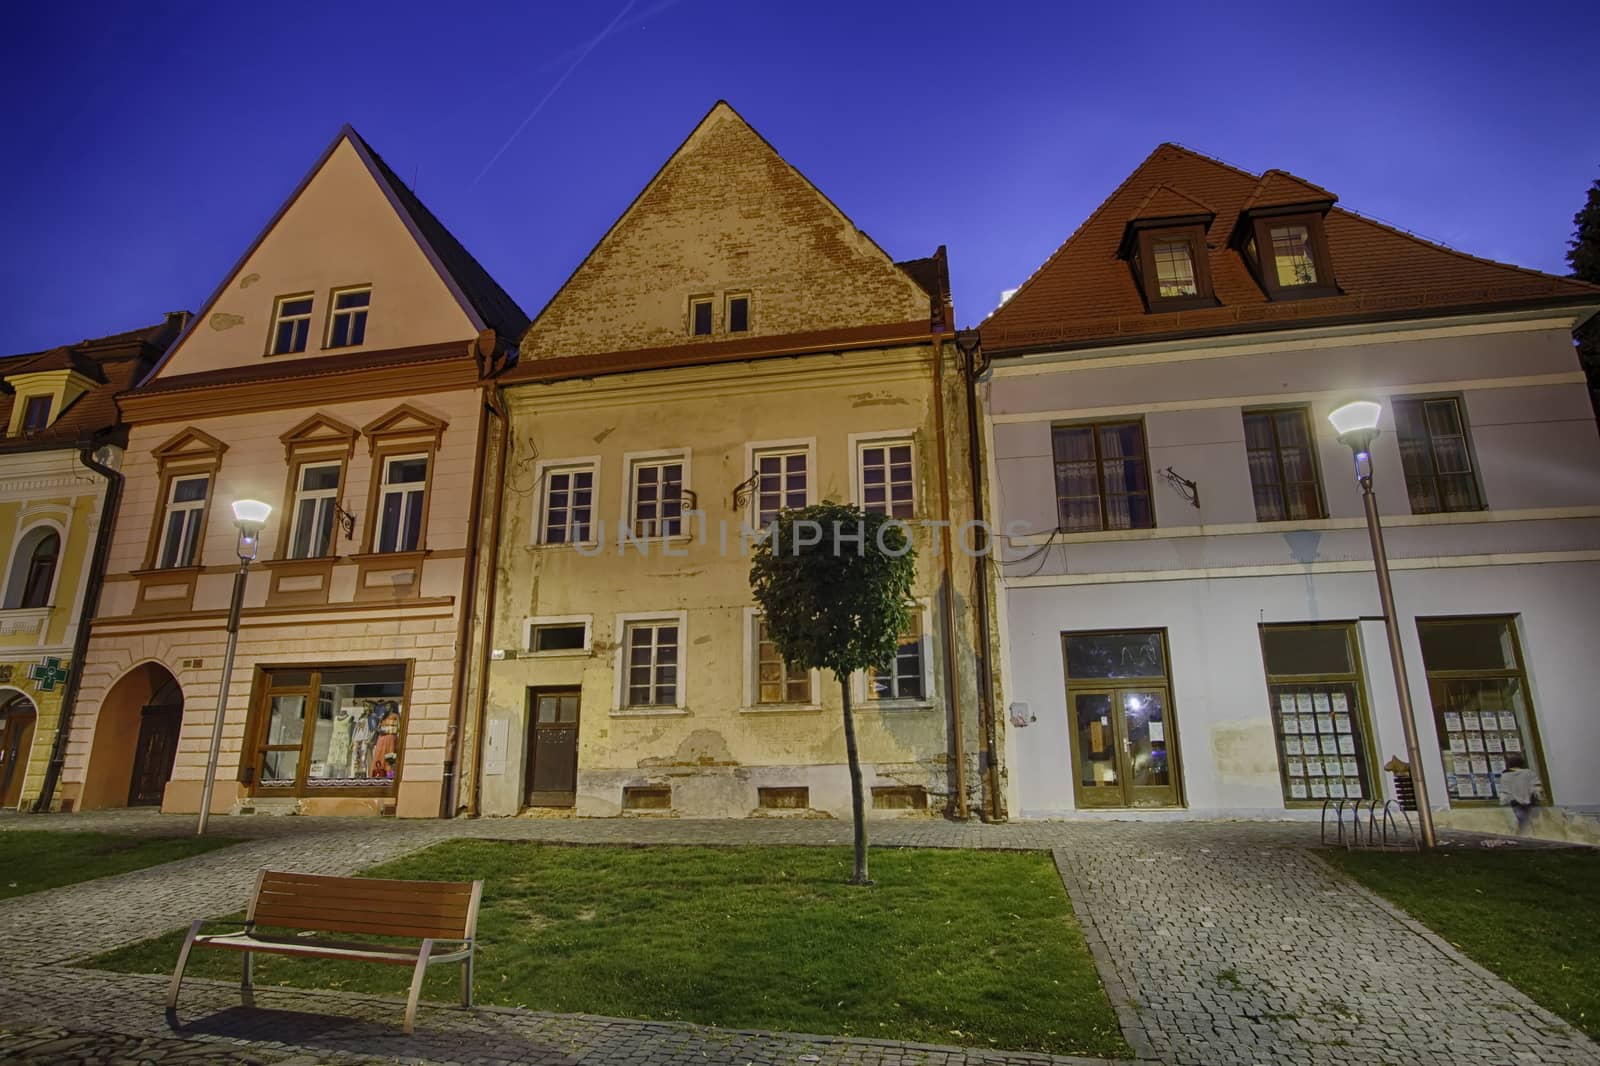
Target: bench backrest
442	910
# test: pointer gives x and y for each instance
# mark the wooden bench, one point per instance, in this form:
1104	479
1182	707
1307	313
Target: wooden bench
429	911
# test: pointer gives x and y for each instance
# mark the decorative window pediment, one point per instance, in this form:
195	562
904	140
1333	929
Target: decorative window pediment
189	444
319	433
404	422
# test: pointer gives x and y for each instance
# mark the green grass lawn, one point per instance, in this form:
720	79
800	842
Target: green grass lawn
1528	915
33	860
950	947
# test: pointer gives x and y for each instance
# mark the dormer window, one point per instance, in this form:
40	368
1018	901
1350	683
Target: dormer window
36	414
1170	267
1288	253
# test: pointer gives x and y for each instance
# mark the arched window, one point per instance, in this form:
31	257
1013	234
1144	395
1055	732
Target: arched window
33	569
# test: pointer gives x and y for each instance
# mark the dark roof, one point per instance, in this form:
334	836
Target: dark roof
932	274
493	304
115	363
1085	295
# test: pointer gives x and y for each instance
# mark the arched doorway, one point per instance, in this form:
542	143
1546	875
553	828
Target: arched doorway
18	716
135	740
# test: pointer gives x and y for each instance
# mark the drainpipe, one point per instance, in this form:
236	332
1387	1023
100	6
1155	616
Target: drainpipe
958	740
493	406
974	365
89	608
447	790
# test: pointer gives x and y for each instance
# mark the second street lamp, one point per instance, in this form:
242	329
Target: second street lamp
1357	426
250	516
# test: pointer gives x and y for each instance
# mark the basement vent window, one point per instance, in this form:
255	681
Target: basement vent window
900	798
560	638
647	798
784	799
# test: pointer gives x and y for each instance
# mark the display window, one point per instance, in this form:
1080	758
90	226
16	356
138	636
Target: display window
1319	712
1481	706
329	729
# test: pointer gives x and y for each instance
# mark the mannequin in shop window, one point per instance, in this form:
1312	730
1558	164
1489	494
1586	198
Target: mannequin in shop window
385	750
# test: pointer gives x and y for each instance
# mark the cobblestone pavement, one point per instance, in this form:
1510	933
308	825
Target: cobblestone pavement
1225	942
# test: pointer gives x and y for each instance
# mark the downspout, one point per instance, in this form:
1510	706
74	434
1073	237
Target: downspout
89	608
493	406
958	740
974	365
447	804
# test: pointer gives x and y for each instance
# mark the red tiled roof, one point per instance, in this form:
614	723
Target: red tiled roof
1085	295
1166	202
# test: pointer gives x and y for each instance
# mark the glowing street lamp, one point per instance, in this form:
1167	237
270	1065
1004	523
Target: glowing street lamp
251	517
1357	426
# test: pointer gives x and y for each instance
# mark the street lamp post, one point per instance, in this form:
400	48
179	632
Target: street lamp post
1357	425
250	516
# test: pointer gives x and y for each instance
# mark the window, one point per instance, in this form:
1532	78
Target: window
33	569
657	498
568	508
1283	466
36	414
739	314
1169	262
887	483
290	325
1318	711
347	326
316	498
559	637
405	482
1174	264
651	678
180	534
1289	254
1481	706
1436	456
781	479
1292	258
1102	477
776	680
700	317
902	679
329	729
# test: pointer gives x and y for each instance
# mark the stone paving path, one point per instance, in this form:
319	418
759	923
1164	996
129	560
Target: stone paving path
1218	942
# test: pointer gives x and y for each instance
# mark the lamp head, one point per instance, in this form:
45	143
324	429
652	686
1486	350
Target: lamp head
250	516
1357	424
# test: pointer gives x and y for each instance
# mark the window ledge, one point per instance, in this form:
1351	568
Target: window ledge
308	561
564	653
895	705
545	545
399	559
168	571
649	712
782	708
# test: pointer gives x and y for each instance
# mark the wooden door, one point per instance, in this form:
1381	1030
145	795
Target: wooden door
1124	754
153	755
552	779
16	741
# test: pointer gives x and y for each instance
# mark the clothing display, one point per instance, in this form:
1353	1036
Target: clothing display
384	751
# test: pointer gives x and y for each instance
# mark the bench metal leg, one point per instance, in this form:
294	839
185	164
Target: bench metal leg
183	961
466	980
247	986
416	985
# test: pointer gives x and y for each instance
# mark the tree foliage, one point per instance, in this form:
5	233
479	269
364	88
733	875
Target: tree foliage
834	586
1583	253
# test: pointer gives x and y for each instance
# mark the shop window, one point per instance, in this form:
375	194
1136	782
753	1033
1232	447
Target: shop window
1283	465
1102	477
330	729
291	324
776	681
347	321
1318	709
1481	706
887	483
1436	456
567	506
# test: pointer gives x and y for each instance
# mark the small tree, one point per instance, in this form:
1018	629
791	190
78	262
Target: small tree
834	586
1583	253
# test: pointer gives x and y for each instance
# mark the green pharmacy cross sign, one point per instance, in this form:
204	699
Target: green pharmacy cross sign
46	673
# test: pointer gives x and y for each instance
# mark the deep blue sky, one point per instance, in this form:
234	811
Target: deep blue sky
148	144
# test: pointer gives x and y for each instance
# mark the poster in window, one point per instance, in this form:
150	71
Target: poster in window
1508	721
1285	703
1297	790
1319	702
1341	722
1458	742
1319	788
1313	767
1451	785
1291	745
1348	765
1324	723
1297	768
1330	746
1158	733
1347	744
1352	787
1302	700
1474	741
1308	724
1470	720
1480	765
1291	722
1336	788
1513	742
1485	786
1492	742
1497	764
1341	703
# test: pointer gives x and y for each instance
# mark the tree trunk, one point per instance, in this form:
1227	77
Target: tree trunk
858	807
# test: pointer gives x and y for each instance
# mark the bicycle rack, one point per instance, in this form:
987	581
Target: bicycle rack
1382	831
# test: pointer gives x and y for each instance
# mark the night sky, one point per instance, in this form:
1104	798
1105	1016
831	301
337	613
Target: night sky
147	145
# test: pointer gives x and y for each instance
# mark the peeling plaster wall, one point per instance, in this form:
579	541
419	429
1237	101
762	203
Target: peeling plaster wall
717	750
